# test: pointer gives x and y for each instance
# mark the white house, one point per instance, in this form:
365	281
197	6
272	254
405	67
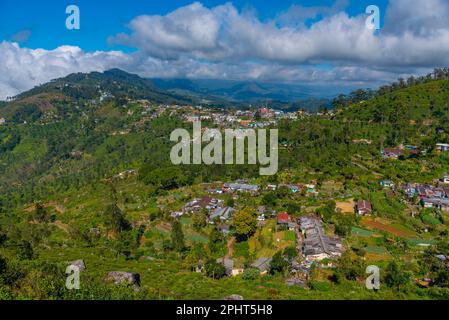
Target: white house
445	178
442	146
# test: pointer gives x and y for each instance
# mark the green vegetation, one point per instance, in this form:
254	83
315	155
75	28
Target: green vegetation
90	178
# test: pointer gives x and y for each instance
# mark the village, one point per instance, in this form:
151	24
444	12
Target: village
315	245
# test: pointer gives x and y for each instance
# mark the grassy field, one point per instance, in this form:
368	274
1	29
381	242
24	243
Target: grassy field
361	232
375	253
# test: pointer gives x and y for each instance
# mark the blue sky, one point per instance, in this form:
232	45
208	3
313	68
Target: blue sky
325	45
44	20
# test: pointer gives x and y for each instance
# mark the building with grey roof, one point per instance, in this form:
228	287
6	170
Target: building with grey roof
223	213
263	264
316	245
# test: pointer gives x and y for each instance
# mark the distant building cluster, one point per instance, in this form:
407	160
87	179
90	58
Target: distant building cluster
430	196
206	203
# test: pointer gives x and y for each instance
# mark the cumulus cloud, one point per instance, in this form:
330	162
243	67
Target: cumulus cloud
414	35
23	68
420	18
319	45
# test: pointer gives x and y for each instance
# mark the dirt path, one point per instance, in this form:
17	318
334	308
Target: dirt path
63	226
230	246
299	242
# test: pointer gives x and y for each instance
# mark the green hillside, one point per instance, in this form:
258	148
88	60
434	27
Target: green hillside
86	174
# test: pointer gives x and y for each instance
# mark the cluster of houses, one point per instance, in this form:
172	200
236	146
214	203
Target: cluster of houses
294	188
317	246
241	187
409	151
214	208
430	196
401	152
260	118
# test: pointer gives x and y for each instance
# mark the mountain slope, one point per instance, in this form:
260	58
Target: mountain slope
425	102
118	82
239	91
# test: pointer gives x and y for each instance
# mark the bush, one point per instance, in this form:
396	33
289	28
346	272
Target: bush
214	269
290	253
278	264
251	274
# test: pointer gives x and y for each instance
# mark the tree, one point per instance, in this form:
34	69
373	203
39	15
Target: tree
214	269
229	201
3	237
290	253
269	199
166	178
245	223
177	236
278	264
251	274
442	278
283	192
328	211
351	268
216	240
293	208
395	276
114	216
3	266
25	251
199	220
343	225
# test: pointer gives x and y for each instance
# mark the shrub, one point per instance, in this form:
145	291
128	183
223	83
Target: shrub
251	274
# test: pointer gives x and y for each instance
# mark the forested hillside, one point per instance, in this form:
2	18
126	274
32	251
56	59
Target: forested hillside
62	198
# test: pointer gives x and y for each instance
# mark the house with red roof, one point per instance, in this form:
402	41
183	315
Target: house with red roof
364	207
391	153
283	218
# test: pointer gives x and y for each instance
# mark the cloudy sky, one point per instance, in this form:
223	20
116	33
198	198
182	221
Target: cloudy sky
322	44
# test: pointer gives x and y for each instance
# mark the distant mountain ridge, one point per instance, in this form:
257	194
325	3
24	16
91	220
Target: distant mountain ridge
121	84
240	91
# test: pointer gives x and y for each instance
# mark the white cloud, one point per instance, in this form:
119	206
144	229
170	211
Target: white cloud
22	68
220	42
223	33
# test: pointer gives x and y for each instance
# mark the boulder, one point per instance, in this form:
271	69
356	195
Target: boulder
119	277
296	282
95	231
233	297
